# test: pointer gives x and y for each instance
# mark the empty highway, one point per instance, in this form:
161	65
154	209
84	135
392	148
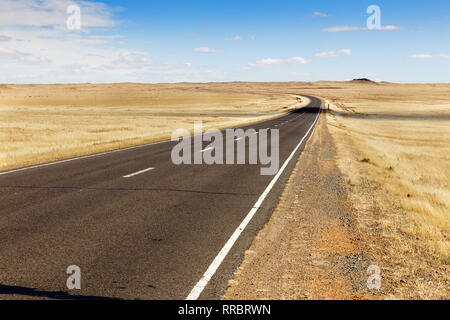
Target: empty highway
138	226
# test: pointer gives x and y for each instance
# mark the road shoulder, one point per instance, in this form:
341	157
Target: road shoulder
311	247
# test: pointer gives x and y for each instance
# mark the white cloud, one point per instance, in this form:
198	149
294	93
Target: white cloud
356	28
235	38
278	62
330	54
37	47
389	28
421	56
5	38
429	56
333	54
207	50
296	60
343	29
320	14
106	37
267	62
131	59
15	55
45	13
444	55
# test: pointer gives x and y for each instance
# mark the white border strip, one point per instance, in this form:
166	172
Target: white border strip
203	282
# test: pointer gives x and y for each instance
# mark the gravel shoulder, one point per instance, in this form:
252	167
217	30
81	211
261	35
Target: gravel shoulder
311	248
333	221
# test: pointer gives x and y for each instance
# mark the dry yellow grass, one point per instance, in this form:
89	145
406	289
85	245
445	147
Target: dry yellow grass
402	136
394	136
41	123
393	146
398	137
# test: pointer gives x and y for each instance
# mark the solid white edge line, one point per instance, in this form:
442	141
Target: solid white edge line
83	157
203	282
139	172
90	156
86	157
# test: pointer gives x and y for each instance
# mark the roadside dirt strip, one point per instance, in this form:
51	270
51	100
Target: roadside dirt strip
311	247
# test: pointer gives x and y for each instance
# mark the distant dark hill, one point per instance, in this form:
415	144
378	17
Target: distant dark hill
363	81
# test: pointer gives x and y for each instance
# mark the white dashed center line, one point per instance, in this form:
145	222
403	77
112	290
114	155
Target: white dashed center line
139	172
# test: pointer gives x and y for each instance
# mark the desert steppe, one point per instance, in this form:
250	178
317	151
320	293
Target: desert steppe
391	144
42	123
392	141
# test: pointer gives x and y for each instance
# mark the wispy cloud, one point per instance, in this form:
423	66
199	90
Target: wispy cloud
5	38
235	38
343	29
45	13
106	37
356	28
320	14
131	59
25	57
34	32
429	56
421	56
207	50
329	54
389	28
333	54
278	62
444	55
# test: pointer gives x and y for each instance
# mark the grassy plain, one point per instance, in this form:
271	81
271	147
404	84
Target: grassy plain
393	147
392	140
41	123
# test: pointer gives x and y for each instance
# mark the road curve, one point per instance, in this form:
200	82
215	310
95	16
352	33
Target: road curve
138	226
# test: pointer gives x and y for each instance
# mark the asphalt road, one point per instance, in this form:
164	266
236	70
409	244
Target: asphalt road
137	233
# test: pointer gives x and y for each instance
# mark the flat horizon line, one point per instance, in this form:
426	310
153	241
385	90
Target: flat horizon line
224	82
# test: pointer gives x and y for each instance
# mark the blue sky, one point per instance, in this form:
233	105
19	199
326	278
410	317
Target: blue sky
173	41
